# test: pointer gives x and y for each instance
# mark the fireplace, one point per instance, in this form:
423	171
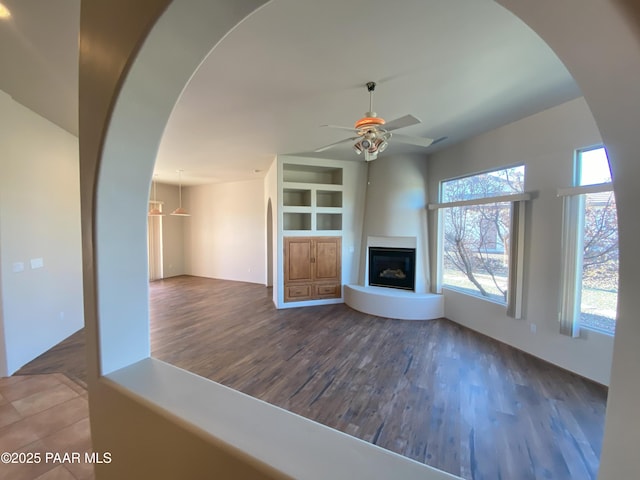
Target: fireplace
392	267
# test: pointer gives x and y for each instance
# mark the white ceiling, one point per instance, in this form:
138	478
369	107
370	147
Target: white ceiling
462	66
39	58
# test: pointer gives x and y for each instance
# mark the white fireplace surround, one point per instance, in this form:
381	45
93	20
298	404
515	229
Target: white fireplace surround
388	242
391	302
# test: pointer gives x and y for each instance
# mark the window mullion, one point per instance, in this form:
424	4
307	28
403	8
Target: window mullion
437	283
516	260
572	253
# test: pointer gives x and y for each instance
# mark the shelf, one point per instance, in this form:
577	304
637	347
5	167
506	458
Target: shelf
312	186
328	198
296	221
286	209
295	197
336	210
311	174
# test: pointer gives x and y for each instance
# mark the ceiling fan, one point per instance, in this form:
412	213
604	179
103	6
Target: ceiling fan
373	133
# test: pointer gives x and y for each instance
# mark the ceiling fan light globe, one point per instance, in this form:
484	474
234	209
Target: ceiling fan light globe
380	145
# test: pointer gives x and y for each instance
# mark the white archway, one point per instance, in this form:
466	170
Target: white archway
124	105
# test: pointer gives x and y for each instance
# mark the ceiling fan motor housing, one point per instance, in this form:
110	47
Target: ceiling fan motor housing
370	120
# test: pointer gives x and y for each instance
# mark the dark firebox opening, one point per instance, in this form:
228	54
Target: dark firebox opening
392	267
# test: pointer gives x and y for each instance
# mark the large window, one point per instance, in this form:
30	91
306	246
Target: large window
480	233
590	238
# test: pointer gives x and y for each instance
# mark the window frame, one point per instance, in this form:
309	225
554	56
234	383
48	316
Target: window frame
518	201
572	244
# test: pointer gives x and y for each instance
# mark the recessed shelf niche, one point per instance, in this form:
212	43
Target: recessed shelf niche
329	221
295	197
328	198
296	221
311	174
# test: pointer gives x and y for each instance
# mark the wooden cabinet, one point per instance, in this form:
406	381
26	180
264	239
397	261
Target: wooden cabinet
310	212
312	268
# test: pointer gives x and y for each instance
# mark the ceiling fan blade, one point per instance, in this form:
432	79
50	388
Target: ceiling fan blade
401	122
351	129
331	145
438	140
419	141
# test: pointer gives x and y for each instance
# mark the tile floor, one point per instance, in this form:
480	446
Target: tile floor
44	414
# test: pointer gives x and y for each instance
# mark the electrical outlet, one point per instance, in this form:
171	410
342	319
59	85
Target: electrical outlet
533	327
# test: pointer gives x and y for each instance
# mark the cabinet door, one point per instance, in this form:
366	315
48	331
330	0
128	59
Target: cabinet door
298	255
328	259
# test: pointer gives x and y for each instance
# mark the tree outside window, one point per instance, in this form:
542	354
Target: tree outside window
476	237
599	292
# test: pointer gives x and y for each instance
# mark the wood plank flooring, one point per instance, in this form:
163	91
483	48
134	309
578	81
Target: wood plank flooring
67	357
433	391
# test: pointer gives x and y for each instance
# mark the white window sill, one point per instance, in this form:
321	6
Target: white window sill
472	295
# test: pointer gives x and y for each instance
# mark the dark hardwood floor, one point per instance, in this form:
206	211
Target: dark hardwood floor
433	391
67	357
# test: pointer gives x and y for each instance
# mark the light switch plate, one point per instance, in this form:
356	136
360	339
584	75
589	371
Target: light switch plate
37	263
17	267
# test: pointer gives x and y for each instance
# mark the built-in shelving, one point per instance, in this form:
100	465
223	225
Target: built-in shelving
312	199
311	212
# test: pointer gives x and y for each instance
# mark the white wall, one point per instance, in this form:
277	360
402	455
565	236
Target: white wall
172	230
396	199
39	218
545	143
225	236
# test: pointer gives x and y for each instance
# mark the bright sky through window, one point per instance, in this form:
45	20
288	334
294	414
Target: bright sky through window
594	167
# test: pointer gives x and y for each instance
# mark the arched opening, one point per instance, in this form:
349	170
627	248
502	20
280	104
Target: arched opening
120	302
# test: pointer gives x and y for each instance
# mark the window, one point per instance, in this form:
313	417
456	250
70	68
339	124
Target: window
496	183
590	247
481	229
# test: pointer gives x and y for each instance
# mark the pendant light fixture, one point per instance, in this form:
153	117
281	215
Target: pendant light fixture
155	211
180	211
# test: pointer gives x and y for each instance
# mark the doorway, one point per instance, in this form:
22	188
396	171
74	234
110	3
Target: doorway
154	242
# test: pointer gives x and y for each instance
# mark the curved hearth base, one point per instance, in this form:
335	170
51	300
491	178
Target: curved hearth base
393	303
